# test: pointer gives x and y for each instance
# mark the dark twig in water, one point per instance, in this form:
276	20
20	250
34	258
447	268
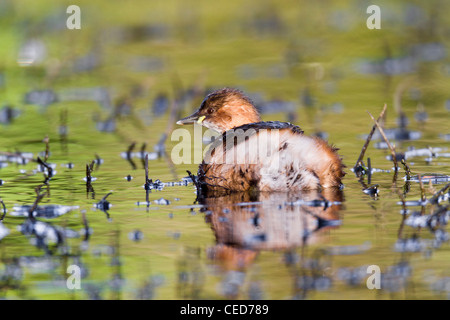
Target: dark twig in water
369	174
106	196
63	129
372	191
369	137
407	185
197	184
4	210
91	167
394	158
104	205
89	187
39	187
49	170
88	173
35	204
194	179
147	181
362	182
407	169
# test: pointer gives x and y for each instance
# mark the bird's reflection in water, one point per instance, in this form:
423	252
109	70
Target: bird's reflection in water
244	224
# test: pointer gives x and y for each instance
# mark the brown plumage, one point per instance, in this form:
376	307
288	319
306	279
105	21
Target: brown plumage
256	155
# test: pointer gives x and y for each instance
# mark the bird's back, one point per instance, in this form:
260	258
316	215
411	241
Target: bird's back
269	156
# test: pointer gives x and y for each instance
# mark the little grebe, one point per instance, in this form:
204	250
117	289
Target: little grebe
266	156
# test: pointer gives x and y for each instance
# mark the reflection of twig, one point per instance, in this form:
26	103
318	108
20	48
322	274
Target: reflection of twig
88	173
106	196
144	145
86	225
98	161
116	275
422	194
4	209
400	229
435	197
89	187
47	148
408	176
369	137
63	129
362	182
128	154
401	87
35	204
394	158
407	169
422	190
147	181
130	149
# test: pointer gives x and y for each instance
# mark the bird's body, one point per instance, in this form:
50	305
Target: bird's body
257	155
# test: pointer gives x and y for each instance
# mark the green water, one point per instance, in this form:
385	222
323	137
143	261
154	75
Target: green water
195	251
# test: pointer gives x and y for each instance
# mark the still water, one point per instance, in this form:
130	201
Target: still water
92	103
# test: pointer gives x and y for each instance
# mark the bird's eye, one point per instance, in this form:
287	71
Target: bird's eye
210	110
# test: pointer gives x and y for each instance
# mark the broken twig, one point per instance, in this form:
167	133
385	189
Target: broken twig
394	158
369	137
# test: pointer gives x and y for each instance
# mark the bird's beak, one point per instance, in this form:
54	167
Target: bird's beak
193	118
